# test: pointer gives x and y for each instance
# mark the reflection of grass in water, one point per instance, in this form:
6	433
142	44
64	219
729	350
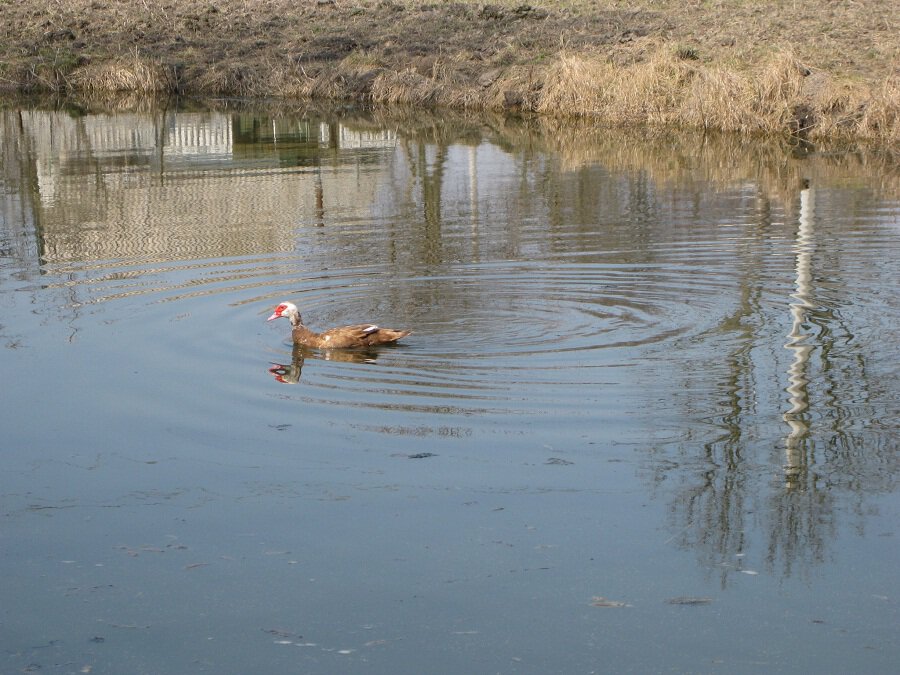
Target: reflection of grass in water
777	166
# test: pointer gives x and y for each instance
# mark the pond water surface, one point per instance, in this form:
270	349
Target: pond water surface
647	419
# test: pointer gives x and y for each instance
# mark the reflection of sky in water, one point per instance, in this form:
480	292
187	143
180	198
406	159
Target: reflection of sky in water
635	375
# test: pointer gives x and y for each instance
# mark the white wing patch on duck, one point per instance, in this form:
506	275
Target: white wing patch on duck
368	330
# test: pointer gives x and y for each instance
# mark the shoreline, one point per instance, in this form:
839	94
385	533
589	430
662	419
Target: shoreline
812	71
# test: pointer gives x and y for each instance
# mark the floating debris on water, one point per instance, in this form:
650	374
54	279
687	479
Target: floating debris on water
277	632
600	601
689	601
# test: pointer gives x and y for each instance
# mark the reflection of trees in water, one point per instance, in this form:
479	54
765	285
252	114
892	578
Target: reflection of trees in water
726	497
429	173
572	191
21	211
18	218
799	522
829	460
716	499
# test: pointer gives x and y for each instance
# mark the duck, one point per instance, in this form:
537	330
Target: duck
344	337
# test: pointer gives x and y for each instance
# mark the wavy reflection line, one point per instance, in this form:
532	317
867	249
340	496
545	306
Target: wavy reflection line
443	410
798	342
222	277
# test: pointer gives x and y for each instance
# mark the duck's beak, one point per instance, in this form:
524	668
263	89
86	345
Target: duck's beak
275	315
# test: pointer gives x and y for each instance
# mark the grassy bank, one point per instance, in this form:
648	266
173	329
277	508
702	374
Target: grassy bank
817	69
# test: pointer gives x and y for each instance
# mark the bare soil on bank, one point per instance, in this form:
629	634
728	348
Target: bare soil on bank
817	68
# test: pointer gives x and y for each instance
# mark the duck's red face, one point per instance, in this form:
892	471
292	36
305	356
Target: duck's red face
280	311
279	371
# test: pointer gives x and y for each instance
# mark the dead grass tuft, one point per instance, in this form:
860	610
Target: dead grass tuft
651	92
287	80
776	96
719	99
133	74
881	116
781	96
578	86
406	86
232	79
516	88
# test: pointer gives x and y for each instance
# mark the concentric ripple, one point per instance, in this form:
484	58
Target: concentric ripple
501	338
531	290
489	339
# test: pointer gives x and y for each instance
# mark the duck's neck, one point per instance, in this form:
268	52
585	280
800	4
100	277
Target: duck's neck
298	328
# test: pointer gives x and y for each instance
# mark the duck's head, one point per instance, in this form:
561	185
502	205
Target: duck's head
286	310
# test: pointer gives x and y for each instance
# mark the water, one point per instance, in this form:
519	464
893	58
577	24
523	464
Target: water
646	422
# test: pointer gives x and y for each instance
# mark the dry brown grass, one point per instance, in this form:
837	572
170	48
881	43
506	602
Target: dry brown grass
132	74
780	96
232	79
880	117
430	83
779	67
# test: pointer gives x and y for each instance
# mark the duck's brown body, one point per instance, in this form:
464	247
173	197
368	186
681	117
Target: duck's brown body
345	337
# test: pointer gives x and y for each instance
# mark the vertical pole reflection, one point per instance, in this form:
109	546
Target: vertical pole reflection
473	198
798	395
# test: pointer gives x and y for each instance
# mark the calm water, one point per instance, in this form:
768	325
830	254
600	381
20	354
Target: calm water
647	420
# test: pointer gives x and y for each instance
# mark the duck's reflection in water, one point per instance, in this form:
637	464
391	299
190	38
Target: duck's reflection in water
290	373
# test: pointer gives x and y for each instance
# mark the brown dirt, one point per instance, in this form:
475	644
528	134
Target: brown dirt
464	54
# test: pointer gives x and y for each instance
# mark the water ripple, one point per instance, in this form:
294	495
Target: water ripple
485	333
